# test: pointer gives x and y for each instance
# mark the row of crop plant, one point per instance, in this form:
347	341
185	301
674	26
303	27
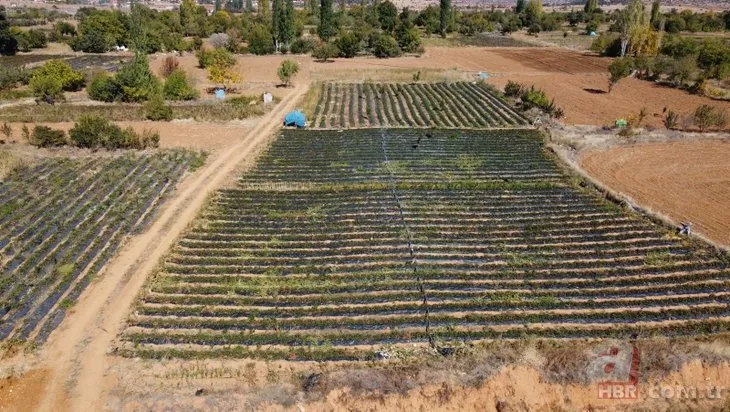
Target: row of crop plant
63	220
329	262
420	105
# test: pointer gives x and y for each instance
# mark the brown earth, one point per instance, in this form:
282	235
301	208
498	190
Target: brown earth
687	181
577	82
74	370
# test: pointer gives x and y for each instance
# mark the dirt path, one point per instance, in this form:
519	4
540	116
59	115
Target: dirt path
76	354
688	181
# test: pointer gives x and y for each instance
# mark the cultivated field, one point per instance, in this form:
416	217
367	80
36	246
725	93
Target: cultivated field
444	105
62	219
340	243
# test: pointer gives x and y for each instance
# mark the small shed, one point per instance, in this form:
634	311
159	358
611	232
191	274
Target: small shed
295	118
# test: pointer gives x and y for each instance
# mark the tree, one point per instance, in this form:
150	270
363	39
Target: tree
327	27
409	39
259	41
533	12
619	69
325	51
590	6
187	17
520	6
8	43
445	16
386	46
287	70
283	22
655	13
264	10
349	44
136	81
387	16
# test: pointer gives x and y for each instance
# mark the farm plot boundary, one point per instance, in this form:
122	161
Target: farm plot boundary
458	105
63	219
393	242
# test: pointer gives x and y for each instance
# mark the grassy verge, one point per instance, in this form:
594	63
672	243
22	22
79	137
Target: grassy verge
236	109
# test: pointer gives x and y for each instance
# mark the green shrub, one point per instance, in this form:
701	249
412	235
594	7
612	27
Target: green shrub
303	46
46	87
97	132
348	44
708	117
386	46
104	87
325	51
513	89
54	77
136	81
260	41
44	136
223	57
287	70
10	77
155	109
619	69
177	87
607	44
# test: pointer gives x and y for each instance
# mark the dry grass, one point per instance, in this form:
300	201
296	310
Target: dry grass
9	162
241	108
309	101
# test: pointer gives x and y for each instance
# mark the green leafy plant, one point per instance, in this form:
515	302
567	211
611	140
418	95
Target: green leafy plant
287	70
155	109
44	136
178	87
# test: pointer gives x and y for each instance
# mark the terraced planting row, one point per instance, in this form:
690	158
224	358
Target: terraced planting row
421	105
60	222
336	262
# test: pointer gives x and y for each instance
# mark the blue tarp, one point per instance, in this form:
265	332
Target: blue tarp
295	118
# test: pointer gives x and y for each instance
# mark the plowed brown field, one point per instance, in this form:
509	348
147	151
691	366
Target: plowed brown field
686	181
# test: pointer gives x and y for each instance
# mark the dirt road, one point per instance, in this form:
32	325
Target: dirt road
688	181
74	359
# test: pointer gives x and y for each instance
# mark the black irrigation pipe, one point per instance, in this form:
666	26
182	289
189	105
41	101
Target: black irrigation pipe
409	235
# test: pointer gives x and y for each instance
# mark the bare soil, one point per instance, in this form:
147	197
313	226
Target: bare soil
210	137
688	181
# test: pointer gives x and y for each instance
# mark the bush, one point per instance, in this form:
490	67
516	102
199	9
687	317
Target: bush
607	44
261	41
386	46
221	57
96	132
54	77
169	65
10	77
409	40
136	81
349	44
156	110
43	136
707	117
45	87
513	89
177	87
104	88
287	70
302	46
619	69
671	120
325	51
219	40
